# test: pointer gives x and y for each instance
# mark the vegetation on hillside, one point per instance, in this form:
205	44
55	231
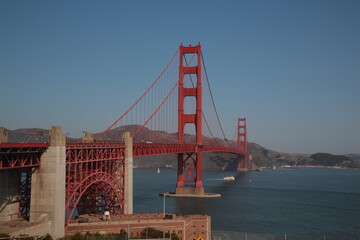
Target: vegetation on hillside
326	159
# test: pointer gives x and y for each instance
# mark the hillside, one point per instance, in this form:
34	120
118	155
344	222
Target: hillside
31	135
261	157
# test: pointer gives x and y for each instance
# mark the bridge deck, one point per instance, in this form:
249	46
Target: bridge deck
21	155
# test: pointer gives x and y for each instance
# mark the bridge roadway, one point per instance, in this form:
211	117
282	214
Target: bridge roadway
23	155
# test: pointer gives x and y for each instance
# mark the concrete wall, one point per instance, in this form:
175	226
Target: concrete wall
37	230
48	185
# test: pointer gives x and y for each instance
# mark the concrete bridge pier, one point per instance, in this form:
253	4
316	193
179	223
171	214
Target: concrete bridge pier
181	188
244	163
48	186
128	192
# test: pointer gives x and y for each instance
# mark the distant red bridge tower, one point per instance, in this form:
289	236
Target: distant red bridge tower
242	144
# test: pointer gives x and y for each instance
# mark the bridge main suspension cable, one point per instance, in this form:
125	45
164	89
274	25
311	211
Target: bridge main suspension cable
212	100
140	98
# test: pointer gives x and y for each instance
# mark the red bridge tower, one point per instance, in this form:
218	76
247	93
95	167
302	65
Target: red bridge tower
242	144
190	164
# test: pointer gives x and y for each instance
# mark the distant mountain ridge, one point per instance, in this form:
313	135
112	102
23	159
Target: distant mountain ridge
261	156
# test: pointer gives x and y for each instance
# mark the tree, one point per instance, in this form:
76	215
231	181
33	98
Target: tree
4	235
123	235
173	236
150	232
48	237
78	236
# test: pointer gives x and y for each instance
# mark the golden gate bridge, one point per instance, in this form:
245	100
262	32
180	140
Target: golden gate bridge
168	118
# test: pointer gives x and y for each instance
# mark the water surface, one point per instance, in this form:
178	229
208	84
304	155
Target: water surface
293	201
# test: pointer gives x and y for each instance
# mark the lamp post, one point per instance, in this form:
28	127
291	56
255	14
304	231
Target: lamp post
164	205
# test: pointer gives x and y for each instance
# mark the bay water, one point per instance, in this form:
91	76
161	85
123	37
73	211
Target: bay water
305	201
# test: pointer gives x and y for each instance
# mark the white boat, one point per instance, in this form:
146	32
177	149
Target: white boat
229	178
158	171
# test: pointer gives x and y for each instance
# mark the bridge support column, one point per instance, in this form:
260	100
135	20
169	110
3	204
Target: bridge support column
180	177
190	170
128	199
47	202
242	166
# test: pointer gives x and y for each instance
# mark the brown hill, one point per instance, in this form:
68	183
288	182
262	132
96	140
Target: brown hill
147	135
31	135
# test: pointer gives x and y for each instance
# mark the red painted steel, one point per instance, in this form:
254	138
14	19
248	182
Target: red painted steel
95	178
25	194
242	142
21	155
196	92
147	149
28	156
95	172
192	163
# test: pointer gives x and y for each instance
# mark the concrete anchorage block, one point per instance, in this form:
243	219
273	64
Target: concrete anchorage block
48	185
87	138
3	135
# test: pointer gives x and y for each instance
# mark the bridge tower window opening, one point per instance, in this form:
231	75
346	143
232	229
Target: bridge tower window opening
189	130
190	105
190	81
186	59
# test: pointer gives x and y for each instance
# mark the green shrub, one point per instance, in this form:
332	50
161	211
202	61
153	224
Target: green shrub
4	235
78	236
48	237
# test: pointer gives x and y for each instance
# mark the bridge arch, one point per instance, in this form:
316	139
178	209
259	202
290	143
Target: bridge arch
89	188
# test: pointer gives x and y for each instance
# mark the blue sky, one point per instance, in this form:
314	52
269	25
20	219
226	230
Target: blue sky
292	68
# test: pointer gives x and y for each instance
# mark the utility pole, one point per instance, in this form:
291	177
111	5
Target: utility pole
164	205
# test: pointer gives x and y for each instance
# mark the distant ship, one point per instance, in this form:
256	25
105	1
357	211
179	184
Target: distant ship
158	171
229	178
